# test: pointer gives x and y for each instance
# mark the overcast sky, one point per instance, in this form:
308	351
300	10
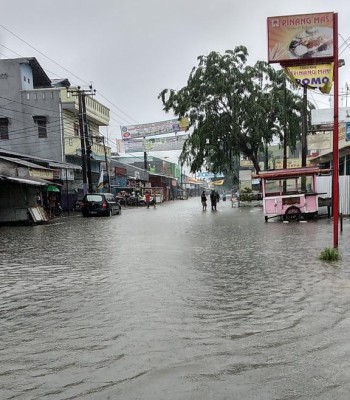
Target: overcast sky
132	49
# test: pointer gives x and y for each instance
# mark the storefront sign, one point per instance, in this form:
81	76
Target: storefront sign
41	173
120	171
313	76
300	37
67	175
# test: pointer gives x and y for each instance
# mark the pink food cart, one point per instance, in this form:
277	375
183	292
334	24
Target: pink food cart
290	194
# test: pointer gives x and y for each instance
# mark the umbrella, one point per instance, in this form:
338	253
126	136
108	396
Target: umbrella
51	188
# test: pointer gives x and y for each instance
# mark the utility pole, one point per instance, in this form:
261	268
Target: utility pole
107	166
82	140
87	143
145	160
84	137
285	133
304	137
346	94
304	129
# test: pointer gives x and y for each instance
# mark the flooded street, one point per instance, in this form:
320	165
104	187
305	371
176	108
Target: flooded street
174	303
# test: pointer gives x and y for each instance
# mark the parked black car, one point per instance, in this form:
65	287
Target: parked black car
99	204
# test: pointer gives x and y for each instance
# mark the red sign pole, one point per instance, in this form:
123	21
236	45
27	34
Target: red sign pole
335	180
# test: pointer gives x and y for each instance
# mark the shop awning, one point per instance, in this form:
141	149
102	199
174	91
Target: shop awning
23	180
51	188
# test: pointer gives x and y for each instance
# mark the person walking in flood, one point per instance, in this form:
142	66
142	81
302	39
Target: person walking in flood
154	200
213	200
204	200
147	198
52	204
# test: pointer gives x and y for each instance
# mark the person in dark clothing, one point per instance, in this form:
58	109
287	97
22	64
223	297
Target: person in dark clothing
213	200
204	200
154	199
147	198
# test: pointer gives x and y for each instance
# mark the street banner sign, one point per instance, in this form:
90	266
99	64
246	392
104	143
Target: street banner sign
169	143
154	128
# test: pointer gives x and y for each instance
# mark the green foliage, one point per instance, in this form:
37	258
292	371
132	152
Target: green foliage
248	195
233	109
329	254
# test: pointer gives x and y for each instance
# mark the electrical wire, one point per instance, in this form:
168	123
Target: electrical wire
71	73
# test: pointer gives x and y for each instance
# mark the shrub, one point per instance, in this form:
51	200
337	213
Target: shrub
329	254
248	195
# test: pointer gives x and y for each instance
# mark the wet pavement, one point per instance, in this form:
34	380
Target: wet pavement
174	303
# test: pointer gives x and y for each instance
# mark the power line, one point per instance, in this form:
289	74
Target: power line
44	55
131	118
65	69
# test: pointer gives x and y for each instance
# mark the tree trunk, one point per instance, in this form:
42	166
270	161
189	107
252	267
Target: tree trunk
255	163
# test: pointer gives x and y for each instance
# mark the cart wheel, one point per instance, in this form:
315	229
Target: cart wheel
293	213
266	218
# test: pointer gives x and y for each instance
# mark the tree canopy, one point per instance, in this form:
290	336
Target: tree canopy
233	108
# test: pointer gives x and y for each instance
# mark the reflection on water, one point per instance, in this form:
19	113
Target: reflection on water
174	303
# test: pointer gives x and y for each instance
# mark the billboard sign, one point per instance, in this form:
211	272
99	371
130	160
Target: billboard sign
313	76
154	128
300	37
156	144
325	116
347	131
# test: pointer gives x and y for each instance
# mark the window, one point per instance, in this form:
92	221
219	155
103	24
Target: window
41	121
28	96
25	79
4	128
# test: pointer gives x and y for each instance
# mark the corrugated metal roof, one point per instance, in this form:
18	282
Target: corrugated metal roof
55	164
52	163
29	181
23	180
23	162
162	175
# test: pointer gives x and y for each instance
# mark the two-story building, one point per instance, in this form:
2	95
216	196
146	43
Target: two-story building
40	117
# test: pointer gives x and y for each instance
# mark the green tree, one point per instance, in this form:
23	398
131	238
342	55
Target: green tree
233	109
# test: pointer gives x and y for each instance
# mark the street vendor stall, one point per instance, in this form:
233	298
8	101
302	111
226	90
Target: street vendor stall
290	194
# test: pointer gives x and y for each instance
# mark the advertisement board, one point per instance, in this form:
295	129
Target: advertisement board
325	116
316	76
41	173
300	37
169	143
347	131
154	128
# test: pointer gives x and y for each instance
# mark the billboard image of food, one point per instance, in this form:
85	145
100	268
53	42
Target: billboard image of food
300	37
